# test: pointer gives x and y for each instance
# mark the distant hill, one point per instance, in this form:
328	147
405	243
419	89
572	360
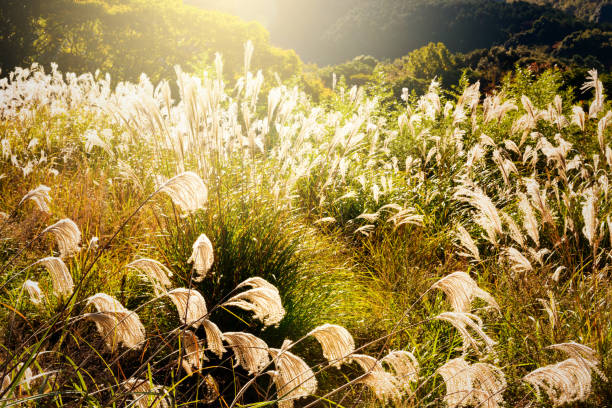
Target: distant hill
332	32
591	10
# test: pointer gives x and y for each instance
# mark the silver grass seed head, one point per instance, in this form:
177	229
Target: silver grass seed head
461	290
457	377
214	337
34	291
190	304
265	302
63	285
115	323
404	365
40	196
464	321
565	382
67	235
187	191
295	378
146	394
105	303
489	382
193	352
202	257
250	351
384	384
336	342
155	271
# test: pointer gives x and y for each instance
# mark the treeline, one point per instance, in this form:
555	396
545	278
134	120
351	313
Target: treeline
591	10
326	32
128	37
490	66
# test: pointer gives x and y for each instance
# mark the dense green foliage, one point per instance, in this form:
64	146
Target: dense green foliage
128	37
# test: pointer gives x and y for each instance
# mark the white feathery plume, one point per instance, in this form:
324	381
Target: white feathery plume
63	284
67	235
384	384
264	301
518	262
463	321
336	342
488	383
256	282
187	190
36	295
581	353
251	352
405	366
457	376
578	117
27	378
593	82
106	303
202	257
214	337
461	290
406	216
564	382
147	395
193	352
513	230
529	220
40	196
115	323
488	217
190	304
589	215
533	189
155	271
295	379
467	243
602	125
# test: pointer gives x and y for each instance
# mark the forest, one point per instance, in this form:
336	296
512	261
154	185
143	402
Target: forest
370	203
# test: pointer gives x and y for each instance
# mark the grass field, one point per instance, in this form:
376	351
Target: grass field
204	243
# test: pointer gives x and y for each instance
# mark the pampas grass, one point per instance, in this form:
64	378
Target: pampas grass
67	235
336	342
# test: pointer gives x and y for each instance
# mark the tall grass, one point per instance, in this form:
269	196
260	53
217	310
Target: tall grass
350	213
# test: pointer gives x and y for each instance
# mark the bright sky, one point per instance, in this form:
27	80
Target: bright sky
263	11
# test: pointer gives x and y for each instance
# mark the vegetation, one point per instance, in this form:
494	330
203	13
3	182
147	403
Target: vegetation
439	250
196	218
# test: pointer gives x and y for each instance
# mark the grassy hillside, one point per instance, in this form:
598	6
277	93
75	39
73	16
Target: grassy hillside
159	247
